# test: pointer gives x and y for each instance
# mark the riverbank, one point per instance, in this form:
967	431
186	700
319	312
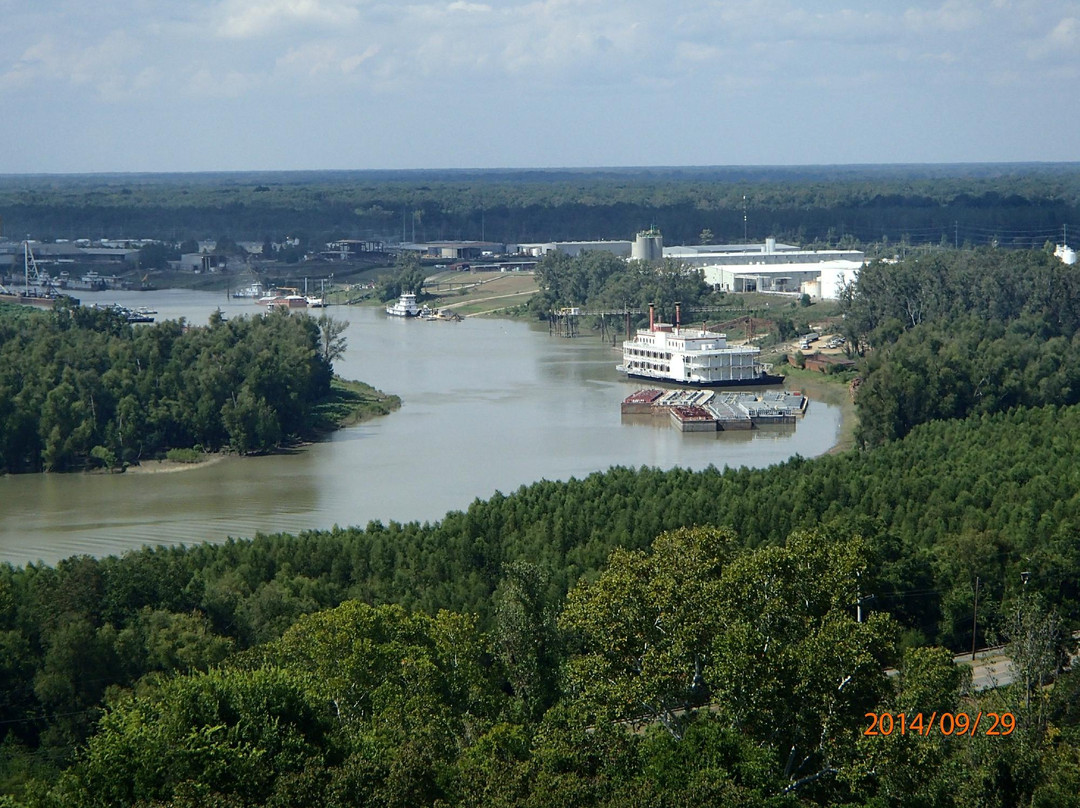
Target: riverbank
169	466
467	294
832	390
352	402
468	389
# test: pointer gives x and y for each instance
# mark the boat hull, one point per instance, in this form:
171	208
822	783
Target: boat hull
764	380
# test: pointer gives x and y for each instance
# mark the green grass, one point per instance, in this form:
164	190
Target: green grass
352	402
184	455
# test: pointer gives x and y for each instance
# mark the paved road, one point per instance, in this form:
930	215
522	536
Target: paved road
991	667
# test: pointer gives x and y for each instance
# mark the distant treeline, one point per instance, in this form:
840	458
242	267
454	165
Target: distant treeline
1021	205
81	387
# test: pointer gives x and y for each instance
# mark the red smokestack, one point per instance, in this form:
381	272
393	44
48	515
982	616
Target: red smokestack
678	317
652	319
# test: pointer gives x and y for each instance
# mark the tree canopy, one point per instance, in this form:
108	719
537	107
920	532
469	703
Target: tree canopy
82	387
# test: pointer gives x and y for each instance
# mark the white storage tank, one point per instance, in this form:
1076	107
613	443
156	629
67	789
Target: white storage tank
649	246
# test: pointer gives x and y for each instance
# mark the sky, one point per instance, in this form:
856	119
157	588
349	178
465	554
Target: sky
235	85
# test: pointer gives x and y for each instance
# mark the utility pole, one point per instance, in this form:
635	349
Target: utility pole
975	618
858	597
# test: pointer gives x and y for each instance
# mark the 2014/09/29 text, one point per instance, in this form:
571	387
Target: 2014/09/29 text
999	724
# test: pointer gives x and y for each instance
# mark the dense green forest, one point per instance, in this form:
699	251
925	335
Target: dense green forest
81	387
1020	205
991	497
952	334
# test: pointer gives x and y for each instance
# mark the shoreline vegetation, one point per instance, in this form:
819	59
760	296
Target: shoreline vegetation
89	391
349	403
830	205
352	402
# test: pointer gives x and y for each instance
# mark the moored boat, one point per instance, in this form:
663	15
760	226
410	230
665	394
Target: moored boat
254	290
30	297
692	356
405	306
137	315
285	297
38	288
288	302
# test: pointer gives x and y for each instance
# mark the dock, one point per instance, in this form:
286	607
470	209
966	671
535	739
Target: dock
709	411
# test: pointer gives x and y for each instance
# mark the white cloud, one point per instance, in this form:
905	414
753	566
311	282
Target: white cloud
210	83
243	19
469	8
952	16
102	65
1063	39
568	58
696	53
314	59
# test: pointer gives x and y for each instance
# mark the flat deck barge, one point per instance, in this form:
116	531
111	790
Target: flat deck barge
700	410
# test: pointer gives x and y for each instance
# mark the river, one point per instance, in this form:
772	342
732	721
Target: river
489	405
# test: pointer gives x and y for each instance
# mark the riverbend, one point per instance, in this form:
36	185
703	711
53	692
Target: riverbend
487	405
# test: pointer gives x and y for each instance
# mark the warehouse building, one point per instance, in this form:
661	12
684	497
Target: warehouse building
773	267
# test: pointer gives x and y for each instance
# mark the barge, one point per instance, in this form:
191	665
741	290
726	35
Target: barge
709	411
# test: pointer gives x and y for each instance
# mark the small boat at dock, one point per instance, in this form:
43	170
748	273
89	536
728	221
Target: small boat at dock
405	306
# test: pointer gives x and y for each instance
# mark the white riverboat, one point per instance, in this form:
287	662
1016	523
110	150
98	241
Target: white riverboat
252	290
404	307
692	356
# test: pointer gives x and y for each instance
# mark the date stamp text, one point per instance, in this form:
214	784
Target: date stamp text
947	724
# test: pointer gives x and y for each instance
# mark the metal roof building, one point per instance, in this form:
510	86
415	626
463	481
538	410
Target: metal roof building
772	267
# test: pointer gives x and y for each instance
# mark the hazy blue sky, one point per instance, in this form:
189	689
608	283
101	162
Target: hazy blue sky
192	85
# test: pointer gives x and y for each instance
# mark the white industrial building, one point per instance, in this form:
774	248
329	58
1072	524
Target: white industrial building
648	246
571	248
758	267
772	267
